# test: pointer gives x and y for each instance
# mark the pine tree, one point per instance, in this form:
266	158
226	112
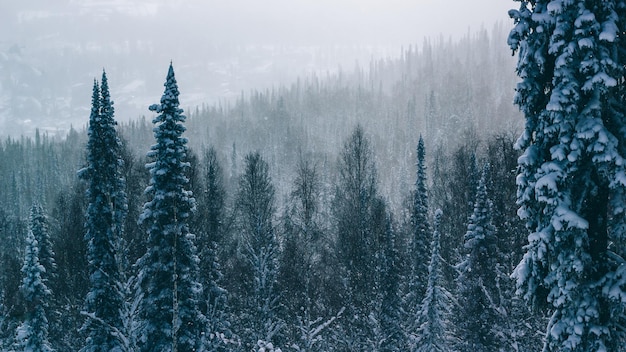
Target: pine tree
32	334
391	314
39	225
215	195
72	285
571	183
255	206
479	324
520	326
419	255
169	270
431	330
103	224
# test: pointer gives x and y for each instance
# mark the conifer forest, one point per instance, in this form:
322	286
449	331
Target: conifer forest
461	194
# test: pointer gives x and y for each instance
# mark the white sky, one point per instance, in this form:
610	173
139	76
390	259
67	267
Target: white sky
290	22
365	21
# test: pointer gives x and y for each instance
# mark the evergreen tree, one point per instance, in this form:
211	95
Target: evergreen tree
39	225
136	178
479	323
32	334
255	206
571	183
520	326
214	197
431	330
419	254
168	274
104	224
391	314
73	282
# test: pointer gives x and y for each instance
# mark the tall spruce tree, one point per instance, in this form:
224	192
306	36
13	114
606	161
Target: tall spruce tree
391	313
104	225
571	178
419	254
168	274
32	334
431	331
40	227
479	324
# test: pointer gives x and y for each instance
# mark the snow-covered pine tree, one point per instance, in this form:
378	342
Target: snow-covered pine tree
72	284
478	322
419	254
103	225
168	277
255	206
571	178
38	223
214	196
32	334
41	230
391	313
431	331
520	327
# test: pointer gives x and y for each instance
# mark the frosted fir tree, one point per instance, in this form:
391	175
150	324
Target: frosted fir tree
40	227
260	248
431	331
571	178
391	313
168	275
104	223
478	321
421	233
32	334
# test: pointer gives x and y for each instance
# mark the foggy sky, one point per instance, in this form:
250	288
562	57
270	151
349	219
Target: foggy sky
273	22
63	45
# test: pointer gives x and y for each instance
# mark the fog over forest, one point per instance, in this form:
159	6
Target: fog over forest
50	52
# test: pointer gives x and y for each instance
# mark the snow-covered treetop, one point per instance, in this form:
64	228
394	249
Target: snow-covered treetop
169	100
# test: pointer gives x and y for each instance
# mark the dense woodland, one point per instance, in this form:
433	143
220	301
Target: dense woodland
370	210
